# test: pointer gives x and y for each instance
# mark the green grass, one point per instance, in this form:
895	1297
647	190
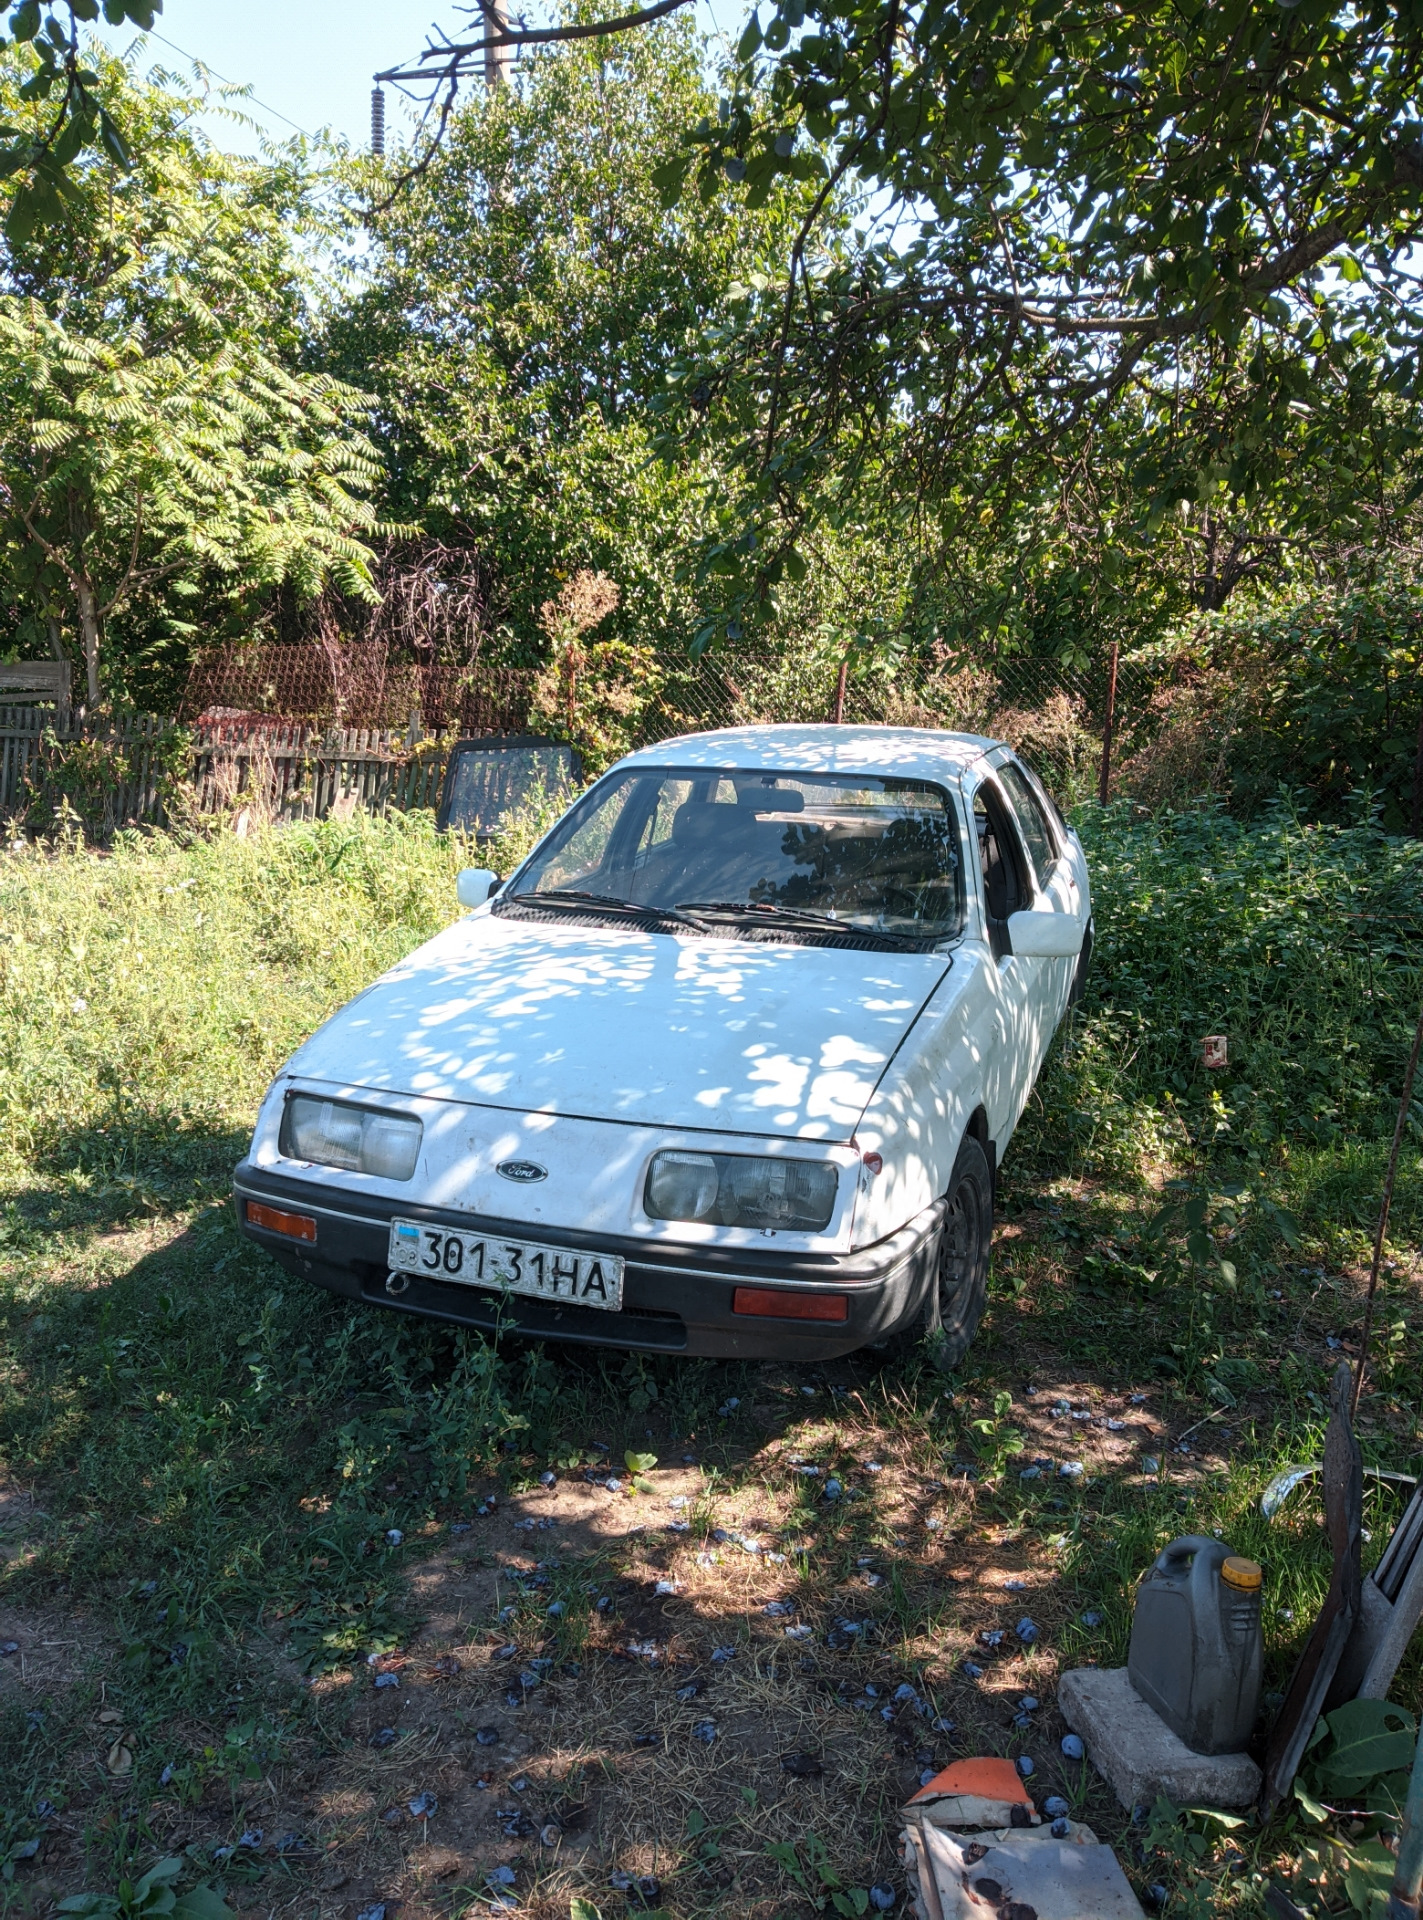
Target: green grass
217	1455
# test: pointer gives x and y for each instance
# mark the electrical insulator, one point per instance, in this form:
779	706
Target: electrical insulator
377	122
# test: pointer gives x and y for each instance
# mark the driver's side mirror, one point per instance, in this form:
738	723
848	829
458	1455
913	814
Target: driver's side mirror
475	885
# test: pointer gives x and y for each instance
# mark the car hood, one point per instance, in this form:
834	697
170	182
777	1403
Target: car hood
613	1024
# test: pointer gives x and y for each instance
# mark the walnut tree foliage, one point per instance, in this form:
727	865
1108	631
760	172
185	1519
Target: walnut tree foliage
72	116
1170	243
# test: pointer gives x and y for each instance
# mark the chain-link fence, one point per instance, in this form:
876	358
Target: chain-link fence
1054	711
293	731
376	732
360	683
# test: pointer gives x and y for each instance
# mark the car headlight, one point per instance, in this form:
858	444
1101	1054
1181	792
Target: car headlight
333	1133
741	1190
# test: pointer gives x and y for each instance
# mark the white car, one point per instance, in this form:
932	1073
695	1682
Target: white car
725	1068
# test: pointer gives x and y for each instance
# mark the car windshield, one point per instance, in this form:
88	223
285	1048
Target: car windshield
779	855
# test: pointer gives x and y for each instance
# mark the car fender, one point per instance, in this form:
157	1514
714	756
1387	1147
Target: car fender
924	1100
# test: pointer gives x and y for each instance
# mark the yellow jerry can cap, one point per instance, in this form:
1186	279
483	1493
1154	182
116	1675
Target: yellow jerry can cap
1237	1571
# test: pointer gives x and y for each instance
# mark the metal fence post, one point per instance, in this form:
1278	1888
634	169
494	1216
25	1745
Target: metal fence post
1106	780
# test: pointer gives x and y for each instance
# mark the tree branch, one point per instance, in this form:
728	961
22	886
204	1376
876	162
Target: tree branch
122	588
454	57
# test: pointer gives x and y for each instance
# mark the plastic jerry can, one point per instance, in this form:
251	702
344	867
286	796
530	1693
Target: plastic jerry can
1196	1645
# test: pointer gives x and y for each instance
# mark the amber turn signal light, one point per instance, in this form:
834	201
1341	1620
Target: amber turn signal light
295	1226
770	1303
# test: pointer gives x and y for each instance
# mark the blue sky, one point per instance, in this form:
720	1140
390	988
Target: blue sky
309	62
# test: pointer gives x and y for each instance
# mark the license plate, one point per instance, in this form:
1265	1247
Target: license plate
510	1266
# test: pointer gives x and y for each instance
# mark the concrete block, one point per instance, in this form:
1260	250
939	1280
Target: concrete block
1133	1748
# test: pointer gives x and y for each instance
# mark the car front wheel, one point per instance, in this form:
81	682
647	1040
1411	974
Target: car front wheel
961	1277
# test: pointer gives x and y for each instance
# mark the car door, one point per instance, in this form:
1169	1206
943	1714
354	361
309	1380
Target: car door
1015	982
1056	882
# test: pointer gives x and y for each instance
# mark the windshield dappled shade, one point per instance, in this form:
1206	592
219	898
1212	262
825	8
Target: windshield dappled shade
880	856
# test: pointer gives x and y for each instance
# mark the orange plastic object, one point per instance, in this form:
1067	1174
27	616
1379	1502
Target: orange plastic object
988	1779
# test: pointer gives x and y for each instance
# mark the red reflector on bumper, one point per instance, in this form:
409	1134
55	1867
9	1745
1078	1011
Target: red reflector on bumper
770	1303
296	1226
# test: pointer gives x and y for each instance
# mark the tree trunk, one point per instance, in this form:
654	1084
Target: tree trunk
1208	599
89	633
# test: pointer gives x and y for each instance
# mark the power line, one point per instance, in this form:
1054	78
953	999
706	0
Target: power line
199	62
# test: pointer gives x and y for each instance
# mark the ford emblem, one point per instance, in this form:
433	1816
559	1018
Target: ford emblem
525	1170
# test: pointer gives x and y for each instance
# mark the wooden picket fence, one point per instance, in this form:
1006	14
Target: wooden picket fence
294	772
103	774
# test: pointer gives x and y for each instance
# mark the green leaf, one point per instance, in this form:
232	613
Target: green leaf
671	177
750	41
581	1909
1371	1737
1227	1822
1369	1874
24	210
113	142
25	20
202	1903
159	1875
1285	1223
1311	1806
640	1462
786	1857
75	133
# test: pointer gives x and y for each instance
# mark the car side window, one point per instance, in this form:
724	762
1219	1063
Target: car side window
1032	819
1006	887
1049	804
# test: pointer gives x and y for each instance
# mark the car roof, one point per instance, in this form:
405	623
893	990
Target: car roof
923	753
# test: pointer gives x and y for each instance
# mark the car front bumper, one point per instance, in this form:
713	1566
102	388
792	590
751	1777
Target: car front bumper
675	1299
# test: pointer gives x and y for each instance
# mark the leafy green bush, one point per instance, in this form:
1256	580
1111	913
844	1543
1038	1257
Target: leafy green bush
1301	943
1321	694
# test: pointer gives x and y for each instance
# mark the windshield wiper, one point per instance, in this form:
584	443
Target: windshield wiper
755	910
600	902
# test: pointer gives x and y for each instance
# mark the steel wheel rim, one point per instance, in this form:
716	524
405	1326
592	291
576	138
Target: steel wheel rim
960	1243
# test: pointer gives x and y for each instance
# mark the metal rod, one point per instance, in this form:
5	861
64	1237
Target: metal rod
1408	1875
1404	1103
840	691
1105	782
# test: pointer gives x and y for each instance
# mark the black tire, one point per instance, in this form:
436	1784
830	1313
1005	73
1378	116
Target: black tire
955	1308
1084	961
